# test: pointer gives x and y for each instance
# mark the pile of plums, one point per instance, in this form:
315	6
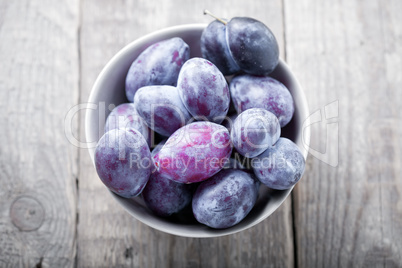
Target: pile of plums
208	128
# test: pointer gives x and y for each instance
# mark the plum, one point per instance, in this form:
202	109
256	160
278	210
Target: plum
254	130
225	199
252	45
280	166
159	64
249	45
204	90
250	91
194	152
123	161
125	116
161	108
215	48
166	197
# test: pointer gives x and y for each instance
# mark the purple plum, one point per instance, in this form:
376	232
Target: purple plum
123	161
252	45
125	116
161	108
164	196
225	199
249	91
254	130
204	90
159	64
214	48
280	166
194	152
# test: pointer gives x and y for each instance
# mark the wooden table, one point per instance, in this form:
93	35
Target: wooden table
345	212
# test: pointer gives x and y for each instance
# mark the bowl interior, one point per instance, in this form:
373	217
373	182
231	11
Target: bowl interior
109	90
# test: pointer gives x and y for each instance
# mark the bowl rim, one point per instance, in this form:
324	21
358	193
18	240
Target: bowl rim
89	132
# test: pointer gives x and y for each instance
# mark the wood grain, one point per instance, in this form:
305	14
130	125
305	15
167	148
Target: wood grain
351	52
108	236
38	167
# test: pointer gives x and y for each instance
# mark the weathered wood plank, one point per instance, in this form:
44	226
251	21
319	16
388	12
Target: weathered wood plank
108	236
349	51
38	167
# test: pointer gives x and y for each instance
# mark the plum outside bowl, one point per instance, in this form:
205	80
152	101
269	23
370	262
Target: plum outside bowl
109	89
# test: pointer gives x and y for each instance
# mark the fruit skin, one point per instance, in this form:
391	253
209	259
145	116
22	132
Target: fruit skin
254	130
280	166
194	152
204	90
252	45
161	108
125	116
164	196
225	199
123	161
250	91
215	48
159	64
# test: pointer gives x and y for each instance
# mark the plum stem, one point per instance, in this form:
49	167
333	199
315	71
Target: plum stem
207	12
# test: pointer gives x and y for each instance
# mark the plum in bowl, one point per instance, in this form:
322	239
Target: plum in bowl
109	88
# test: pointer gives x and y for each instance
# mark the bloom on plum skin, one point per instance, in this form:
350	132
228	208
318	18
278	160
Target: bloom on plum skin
125	116
194	152
159	64
250	91
280	166
225	199
166	197
254	130
114	164
203	90
161	108
215	49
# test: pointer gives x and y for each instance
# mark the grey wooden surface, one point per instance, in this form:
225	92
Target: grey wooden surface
345	212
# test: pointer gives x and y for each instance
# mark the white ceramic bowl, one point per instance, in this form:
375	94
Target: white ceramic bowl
109	89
